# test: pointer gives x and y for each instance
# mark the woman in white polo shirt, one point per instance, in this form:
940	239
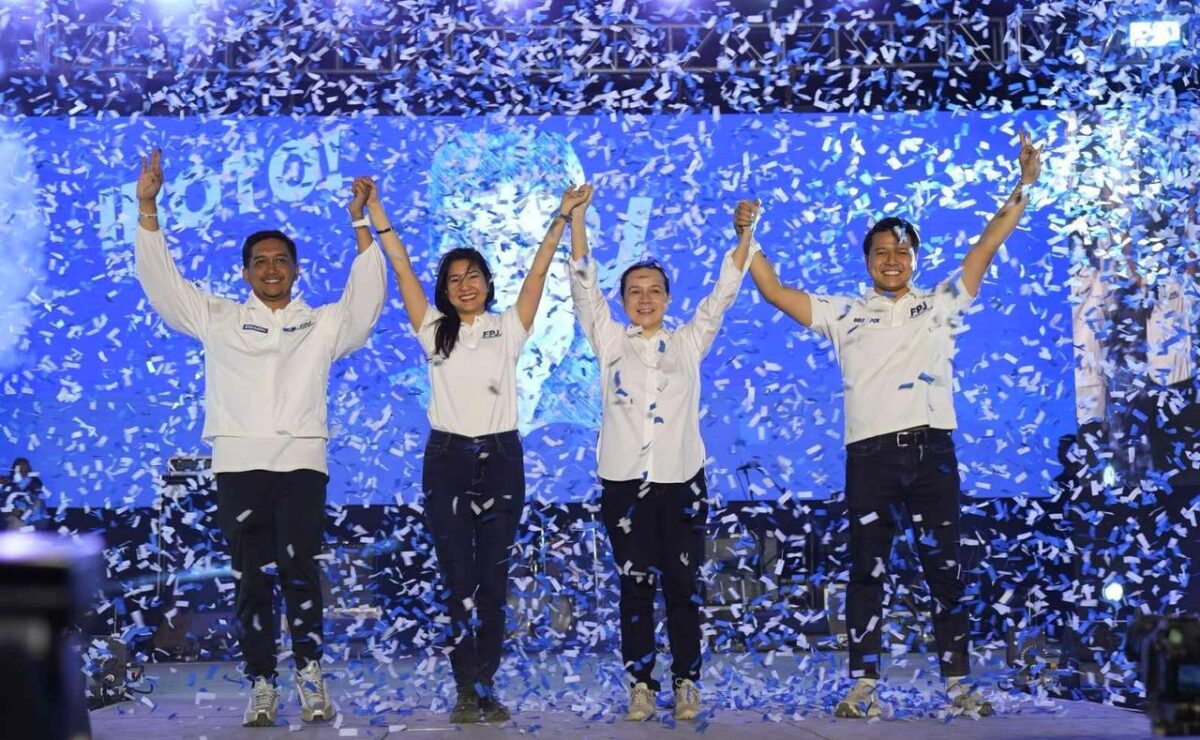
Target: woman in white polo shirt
651	457
474	472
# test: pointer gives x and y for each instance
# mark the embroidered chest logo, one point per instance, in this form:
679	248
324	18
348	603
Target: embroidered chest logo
298	327
492	334
254	327
916	311
866	319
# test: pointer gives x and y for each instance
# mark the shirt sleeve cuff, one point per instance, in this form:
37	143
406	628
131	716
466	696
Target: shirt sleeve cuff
583	270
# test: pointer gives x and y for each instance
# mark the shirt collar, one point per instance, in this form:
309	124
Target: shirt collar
485	320
296	304
633	330
913	293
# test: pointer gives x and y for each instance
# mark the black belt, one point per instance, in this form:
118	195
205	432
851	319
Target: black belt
915	437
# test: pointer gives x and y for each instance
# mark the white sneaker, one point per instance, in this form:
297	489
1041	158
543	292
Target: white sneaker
860	701
263	704
315	705
641	703
687	699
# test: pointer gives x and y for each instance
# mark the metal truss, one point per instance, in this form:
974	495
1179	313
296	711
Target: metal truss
563	50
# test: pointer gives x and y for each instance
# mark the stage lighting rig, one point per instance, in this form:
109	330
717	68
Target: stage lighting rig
1155	34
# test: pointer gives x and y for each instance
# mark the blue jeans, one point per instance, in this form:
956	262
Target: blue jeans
474	496
914	472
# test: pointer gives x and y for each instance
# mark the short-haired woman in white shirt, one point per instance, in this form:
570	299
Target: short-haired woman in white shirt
654	500
474	472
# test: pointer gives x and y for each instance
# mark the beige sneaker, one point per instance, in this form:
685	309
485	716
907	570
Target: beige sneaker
687	699
968	700
263	704
315	705
860	701
641	703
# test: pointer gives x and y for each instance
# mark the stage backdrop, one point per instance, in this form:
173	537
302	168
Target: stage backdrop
98	392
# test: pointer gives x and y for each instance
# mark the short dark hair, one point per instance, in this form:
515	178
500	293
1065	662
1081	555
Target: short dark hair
892	224
258	236
650	264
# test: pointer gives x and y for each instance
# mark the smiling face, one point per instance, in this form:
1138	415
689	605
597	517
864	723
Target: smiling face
467	288
271	272
645	298
890	263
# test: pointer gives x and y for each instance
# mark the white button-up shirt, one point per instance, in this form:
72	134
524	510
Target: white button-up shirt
1170	328
1089	319
266	373
474	390
895	356
650	421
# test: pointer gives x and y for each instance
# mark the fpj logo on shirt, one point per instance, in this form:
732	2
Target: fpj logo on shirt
916	311
298	327
493	334
254	327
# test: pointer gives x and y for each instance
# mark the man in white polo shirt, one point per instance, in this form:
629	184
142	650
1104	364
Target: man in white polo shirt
1174	299
266	372
894	346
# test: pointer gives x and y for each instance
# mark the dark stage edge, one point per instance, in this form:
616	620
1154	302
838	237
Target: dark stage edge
180	712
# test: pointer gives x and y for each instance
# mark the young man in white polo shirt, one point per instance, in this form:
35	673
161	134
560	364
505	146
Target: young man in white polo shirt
266	372
894	346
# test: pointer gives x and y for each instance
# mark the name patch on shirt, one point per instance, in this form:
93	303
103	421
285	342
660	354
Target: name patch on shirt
254	327
866	320
916	311
492	334
298	327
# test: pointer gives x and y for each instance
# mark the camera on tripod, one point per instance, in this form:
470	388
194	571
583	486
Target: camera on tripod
1167	650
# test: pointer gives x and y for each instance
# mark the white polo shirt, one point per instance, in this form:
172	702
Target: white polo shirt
474	391
895	356
1089	298
266	373
650	392
1169	330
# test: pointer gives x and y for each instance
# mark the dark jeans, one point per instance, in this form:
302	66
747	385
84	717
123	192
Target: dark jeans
657	532
274	523
1170	418
474	498
886	475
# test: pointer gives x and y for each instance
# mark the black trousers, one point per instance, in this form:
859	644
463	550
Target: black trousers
474	498
274	524
886	476
1170	421
657	532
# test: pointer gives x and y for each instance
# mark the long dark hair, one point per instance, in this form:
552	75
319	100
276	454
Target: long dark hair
446	335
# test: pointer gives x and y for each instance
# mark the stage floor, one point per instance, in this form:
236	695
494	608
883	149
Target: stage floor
749	697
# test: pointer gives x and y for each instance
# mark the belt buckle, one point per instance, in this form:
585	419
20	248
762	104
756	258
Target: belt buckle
914	437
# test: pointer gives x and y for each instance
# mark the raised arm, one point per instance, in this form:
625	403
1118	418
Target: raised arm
791	301
180	303
709	314
591	307
411	292
362	299
535	281
1005	220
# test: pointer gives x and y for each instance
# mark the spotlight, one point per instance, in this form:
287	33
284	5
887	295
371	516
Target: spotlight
1155	34
1113	592
1110	475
